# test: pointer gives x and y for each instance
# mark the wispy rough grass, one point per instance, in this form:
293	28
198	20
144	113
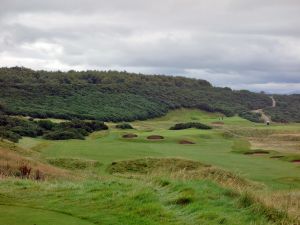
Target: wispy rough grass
280	208
71	163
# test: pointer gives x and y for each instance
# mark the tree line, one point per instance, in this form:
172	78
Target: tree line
115	96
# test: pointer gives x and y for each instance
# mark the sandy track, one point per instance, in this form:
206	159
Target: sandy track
264	116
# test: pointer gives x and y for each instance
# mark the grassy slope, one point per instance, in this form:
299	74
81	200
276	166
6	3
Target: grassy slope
114	200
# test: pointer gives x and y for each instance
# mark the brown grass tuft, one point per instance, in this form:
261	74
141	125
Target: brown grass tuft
12	164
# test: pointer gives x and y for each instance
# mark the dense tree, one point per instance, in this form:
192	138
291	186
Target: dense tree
287	108
252	116
114	96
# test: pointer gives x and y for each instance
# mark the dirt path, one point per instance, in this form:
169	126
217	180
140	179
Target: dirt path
265	117
273	102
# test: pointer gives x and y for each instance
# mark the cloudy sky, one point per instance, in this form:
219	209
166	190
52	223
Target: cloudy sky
243	44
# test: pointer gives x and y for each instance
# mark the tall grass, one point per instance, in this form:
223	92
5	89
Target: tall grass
280	207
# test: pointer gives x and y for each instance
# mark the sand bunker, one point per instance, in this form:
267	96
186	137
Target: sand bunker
155	137
296	161
276	156
186	142
258	152
129	136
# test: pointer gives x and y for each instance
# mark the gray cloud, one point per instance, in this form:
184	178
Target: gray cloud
246	44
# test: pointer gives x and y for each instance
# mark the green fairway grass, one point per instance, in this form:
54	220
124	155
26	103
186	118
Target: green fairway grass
210	147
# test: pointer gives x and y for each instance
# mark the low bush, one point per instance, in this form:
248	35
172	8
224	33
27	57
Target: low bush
124	126
84	125
251	116
181	126
9	135
13	128
46	124
63	135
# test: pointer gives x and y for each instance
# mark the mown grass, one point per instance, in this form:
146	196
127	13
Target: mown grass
210	147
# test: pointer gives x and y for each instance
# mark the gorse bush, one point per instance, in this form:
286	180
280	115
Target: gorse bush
251	116
9	135
63	135
74	130
124	126
181	126
13	128
46	124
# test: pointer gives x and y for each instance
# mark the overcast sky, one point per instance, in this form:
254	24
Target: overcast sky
243	44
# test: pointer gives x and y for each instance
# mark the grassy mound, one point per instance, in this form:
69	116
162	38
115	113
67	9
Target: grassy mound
180	169
70	163
147	165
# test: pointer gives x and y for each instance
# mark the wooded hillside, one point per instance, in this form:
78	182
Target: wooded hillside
114	96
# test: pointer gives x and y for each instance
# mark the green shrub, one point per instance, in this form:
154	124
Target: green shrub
84	125
46	124
63	135
251	116
9	135
124	126
75	129
13	128
29	131
181	126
